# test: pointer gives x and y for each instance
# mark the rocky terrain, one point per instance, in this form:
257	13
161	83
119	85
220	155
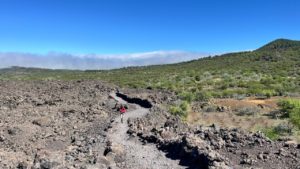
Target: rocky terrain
59	124
212	146
46	124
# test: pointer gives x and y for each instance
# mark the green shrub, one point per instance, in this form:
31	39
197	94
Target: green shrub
255	88
193	90
228	93
271	133
175	110
279	90
268	95
291	107
283	128
180	110
294	117
203	96
187	96
267	81
242	84
199	87
224	86
184	106
277	131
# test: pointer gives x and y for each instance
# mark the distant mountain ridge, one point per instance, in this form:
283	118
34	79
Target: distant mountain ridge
280	44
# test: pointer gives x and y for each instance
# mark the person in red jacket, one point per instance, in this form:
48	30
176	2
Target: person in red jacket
122	111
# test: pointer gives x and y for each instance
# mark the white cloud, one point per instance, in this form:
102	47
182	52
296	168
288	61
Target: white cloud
55	60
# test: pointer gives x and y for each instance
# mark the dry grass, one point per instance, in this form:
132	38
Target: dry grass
230	119
268	104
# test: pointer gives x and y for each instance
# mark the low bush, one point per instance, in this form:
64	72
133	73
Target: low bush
203	96
291	107
187	96
210	108
271	133
180	110
175	110
248	111
276	132
184	106
283	128
275	114
239	96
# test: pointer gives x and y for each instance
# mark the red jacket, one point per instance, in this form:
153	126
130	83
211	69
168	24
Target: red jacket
123	110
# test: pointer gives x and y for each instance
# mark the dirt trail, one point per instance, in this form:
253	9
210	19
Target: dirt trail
137	154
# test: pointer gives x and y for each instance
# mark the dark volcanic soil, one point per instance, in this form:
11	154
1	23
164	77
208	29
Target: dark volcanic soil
53	124
58	124
214	147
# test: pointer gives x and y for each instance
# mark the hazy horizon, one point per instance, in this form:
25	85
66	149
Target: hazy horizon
56	60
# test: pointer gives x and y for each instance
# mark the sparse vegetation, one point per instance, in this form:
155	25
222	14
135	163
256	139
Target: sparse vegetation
180	110
290	112
269	71
291	109
276	132
248	111
271	133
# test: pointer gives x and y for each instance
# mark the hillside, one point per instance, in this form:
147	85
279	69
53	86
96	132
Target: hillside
259	72
269	71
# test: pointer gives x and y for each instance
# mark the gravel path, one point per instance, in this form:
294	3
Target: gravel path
139	156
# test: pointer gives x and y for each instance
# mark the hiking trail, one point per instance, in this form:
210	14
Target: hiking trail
137	154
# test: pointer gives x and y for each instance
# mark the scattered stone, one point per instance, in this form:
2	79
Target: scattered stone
22	165
260	156
12	131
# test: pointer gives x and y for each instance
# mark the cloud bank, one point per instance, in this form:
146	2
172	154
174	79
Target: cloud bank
94	61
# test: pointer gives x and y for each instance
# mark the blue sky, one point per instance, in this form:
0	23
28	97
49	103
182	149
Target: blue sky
134	26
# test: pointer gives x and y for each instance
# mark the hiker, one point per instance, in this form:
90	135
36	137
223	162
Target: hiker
116	106
122	111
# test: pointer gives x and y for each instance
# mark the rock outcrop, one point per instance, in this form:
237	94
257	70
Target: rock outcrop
212	146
